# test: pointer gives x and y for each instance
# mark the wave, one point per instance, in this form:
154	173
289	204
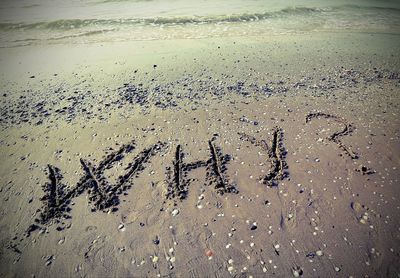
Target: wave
83	34
66	24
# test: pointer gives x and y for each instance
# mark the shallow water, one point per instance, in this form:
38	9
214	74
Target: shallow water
32	22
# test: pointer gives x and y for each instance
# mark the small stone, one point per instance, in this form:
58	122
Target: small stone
155	259
297	271
121	227
230	268
337	269
175	212
356	207
230	261
319	253
48	262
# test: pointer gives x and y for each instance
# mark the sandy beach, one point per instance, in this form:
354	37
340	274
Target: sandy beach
256	156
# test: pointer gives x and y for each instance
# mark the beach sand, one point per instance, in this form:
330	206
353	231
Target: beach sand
270	156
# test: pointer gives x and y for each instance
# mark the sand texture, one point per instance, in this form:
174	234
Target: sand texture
274	157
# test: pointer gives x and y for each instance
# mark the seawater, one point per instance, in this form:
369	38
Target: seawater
27	22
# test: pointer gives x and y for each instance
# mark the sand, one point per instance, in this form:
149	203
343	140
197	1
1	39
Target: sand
271	156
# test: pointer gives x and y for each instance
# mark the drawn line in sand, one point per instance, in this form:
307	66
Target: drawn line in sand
102	194
276	156
216	170
335	137
178	184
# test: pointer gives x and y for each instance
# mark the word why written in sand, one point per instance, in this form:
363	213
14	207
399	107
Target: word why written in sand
104	195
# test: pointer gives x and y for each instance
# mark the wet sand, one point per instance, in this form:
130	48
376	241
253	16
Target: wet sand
270	157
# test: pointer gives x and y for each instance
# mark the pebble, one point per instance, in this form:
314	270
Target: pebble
121	227
175	212
356	206
155	259
49	260
337	269
319	253
48	263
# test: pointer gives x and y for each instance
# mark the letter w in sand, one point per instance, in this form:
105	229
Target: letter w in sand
102	194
